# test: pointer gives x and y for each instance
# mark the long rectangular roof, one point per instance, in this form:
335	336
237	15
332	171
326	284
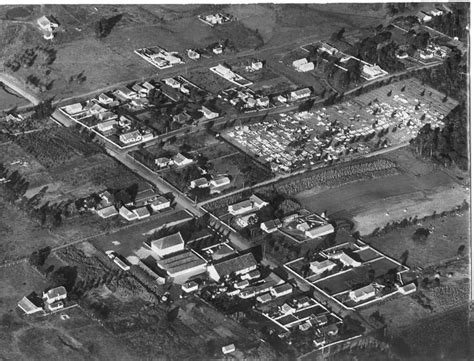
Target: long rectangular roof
168	241
235	264
181	262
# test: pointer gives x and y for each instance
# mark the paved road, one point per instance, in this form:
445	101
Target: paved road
18	87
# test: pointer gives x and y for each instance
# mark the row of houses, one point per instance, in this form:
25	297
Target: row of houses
159	57
145	202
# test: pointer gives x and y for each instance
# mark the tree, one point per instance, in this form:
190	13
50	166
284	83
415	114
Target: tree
421	235
64	276
461	250
38	258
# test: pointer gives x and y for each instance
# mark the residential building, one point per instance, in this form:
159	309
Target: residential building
193	55
426	55
251	275
55	306
180	160
256	65
132	137
372	71
282	290
105	99
303	226
124	93
345	259
300	94
228	349
252	204
55	294
106	116
406	289
208	113
106	127
237	265
363	293
319	267
163	162
172	82
263	101
127	214
306	67
186	263
140	90
424	17
47	24
190	286
148	87
160	203
167	245
28	307
242	284
121	264
141	212
199	183
266	297
75	109
436	12
107	212
319	231
299	62
219	182
270	226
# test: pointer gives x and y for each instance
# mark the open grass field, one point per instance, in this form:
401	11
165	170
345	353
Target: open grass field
31	338
448	234
110	60
68	165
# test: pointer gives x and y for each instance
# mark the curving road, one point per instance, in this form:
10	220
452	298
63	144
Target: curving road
18	87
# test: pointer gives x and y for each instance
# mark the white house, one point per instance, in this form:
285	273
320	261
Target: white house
228	349
160	203
47	24
345	259
219	182
163	162
299	62
320	267
167	245
107	212
105	99
193	55
172	82
300	94
106	126
252	204
55	294
199	183
363	293
270	226
306	67
372	71
127	214
141	212
190	286
132	137
180	160
208	114
256	65
319	231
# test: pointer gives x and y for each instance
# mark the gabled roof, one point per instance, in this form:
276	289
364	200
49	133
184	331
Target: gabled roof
322	265
56	292
169	241
235	264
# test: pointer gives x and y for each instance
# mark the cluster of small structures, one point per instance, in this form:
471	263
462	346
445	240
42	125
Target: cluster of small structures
52	301
111	115
304	313
48	26
369	71
215	19
159	57
353	274
305	139
146	202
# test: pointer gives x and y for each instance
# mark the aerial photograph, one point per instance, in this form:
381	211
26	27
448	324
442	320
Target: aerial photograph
225	181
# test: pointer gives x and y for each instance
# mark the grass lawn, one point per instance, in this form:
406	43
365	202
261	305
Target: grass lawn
449	233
